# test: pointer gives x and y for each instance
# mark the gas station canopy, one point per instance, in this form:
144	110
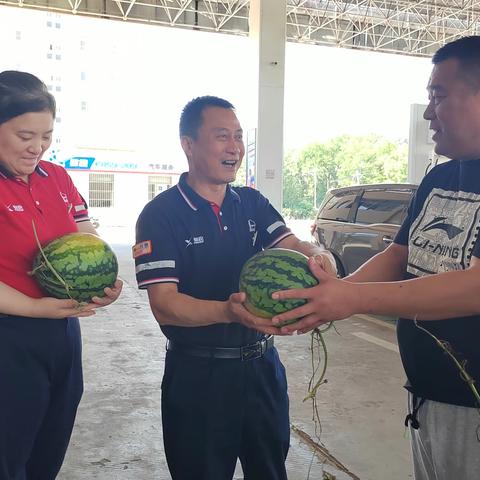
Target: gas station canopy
396	26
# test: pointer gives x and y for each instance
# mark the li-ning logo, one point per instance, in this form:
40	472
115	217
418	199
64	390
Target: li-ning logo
439	223
15	208
193	241
64	197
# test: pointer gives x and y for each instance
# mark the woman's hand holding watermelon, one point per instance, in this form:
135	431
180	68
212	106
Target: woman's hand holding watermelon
49	307
240	314
332	299
111	294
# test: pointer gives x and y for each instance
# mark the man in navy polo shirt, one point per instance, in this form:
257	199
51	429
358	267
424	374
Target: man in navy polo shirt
224	391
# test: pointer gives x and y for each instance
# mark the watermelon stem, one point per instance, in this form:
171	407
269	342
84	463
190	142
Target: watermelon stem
47	263
317	337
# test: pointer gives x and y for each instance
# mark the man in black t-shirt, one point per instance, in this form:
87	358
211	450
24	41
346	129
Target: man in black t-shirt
430	278
224	391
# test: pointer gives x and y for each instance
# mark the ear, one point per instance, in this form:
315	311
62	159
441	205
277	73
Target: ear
187	143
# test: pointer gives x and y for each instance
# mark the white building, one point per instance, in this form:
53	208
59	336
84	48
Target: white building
102	109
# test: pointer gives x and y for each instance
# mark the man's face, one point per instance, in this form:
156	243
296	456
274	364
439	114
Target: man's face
216	154
23	140
453	112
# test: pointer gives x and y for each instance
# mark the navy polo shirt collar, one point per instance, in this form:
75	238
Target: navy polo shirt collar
194	200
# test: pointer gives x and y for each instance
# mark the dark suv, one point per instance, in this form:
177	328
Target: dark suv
355	223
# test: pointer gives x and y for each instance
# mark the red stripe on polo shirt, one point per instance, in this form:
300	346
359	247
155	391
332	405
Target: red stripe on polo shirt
216	211
52	202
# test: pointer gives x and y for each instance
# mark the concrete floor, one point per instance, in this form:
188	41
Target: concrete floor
118	430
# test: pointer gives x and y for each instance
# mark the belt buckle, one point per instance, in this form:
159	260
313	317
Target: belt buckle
251	352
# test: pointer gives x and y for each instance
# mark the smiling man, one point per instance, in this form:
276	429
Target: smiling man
224	391
431	273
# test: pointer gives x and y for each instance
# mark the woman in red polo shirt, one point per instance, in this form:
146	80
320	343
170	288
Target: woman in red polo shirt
40	345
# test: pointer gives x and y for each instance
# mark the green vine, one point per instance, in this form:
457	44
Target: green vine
469	380
47	263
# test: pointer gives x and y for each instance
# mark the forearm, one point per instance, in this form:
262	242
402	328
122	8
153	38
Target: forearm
13	302
436	297
387	266
185	311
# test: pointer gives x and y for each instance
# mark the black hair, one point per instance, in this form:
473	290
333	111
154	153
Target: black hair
467	51
22	92
191	118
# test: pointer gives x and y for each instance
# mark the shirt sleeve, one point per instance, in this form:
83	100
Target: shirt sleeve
401	238
155	252
79	206
76	204
272	228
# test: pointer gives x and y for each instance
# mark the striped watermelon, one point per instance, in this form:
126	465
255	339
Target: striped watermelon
85	263
270	271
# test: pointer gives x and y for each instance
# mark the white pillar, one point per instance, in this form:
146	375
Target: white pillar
420	144
267	25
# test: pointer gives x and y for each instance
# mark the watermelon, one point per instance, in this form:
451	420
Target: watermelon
84	263
272	270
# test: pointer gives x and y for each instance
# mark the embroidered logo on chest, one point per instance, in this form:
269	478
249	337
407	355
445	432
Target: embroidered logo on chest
194	241
15	208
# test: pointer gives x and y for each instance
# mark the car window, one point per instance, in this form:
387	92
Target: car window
383	206
338	206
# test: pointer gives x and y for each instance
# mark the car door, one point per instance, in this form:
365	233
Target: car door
378	216
333	223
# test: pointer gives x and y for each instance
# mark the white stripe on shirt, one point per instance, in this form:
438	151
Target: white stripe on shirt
154	265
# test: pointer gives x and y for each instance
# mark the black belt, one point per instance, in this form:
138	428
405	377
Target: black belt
247	352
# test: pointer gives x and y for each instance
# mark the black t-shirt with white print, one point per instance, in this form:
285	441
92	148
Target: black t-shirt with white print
441	231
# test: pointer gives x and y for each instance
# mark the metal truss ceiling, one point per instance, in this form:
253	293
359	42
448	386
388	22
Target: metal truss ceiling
394	26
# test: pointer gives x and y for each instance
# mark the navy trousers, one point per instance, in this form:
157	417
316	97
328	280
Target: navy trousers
217	410
40	388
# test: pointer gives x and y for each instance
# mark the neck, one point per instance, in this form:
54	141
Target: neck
211	192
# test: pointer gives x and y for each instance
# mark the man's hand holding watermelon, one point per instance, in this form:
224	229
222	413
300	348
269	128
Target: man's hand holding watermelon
239	314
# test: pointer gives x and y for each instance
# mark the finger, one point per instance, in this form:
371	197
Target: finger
273	331
304	325
86	307
292	293
238	297
298	312
101	301
87	313
317	267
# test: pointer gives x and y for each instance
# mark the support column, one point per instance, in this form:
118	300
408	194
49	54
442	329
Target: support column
420	145
267	25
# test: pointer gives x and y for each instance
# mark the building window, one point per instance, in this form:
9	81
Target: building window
100	190
57	25
83	76
58	119
157	184
18	35
58	88
82	44
49	56
58	57
83	106
49	24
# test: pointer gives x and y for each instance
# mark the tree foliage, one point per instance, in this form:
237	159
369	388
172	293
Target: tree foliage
341	161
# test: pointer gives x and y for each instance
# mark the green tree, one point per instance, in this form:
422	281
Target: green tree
341	161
